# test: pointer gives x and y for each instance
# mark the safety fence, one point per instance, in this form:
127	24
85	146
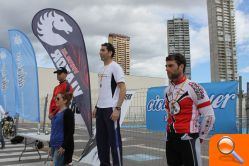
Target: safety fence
140	145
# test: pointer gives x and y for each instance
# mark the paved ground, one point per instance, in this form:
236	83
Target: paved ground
140	147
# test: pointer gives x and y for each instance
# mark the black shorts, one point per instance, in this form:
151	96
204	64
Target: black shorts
183	152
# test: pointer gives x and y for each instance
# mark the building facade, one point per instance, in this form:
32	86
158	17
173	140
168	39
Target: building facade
179	41
121	44
221	22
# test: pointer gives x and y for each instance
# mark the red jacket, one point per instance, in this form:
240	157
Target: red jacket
62	87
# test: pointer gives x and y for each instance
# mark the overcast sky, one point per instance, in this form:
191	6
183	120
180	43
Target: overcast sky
143	20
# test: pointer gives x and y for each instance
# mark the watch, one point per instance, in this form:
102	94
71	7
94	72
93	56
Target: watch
118	108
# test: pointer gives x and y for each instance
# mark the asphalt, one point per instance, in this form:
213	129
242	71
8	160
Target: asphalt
140	147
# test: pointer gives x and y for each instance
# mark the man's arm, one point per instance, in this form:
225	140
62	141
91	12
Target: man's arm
119	76
122	93
204	106
116	113
207	122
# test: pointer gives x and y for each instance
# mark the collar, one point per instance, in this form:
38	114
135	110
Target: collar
181	80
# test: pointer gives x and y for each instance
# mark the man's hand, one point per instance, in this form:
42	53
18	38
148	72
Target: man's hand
201	140
94	113
115	115
61	151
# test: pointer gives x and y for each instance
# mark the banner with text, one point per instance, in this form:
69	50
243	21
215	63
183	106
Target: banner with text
223	96
7	84
62	38
25	75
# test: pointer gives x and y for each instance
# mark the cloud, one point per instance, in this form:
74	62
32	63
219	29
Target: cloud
238	2
245	70
154	67
199	44
143	20
242	25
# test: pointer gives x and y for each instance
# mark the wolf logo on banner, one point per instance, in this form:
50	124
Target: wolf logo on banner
50	26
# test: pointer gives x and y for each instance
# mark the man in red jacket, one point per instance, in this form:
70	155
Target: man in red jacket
64	86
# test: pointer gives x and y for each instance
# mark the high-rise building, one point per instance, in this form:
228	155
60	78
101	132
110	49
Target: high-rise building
178	40
221	24
121	44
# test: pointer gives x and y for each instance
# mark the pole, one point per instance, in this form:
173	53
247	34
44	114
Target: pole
240	104
45	114
247	108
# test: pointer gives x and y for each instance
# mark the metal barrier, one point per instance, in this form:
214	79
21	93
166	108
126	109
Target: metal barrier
141	146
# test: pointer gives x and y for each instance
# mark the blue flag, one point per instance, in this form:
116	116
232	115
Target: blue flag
26	77
7	87
223	96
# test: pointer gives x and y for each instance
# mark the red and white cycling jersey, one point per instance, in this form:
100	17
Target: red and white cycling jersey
185	102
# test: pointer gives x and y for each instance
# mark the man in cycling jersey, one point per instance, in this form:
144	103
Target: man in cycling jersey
185	102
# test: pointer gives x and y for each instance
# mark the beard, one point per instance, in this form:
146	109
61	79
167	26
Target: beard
174	75
102	58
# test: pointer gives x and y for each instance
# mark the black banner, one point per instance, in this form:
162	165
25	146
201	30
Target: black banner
61	36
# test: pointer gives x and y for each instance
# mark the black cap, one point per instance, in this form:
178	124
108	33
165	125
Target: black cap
61	70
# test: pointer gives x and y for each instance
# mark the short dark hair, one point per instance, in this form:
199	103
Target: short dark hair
179	58
109	47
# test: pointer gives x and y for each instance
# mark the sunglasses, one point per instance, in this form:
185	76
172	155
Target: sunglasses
57	98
